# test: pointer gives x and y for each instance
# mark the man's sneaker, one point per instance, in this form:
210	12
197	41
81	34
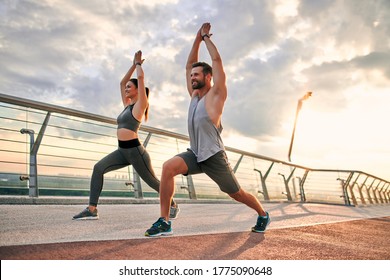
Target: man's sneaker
174	211
86	214
262	223
161	227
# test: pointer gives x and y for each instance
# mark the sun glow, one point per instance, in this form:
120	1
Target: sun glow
343	138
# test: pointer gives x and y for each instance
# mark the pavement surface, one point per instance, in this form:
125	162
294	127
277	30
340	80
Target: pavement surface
203	231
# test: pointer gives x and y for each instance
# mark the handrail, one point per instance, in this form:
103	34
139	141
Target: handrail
348	171
76	113
305	175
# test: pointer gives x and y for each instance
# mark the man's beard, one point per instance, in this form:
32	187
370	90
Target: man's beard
198	85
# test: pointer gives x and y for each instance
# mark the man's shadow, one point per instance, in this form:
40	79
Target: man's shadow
252	240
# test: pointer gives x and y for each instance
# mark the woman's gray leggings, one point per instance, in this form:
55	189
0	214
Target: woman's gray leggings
136	156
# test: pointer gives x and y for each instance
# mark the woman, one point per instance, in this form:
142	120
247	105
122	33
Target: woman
130	150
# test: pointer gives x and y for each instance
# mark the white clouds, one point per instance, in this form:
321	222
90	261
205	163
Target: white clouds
285	9
76	52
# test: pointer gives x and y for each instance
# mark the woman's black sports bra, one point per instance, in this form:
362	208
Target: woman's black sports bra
127	120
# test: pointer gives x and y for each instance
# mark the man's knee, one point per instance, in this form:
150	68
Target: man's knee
173	167
167	169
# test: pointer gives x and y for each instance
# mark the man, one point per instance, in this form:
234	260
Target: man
207	153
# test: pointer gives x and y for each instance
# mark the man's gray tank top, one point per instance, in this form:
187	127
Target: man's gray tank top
205	137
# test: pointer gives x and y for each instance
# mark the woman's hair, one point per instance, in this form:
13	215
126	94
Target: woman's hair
135	82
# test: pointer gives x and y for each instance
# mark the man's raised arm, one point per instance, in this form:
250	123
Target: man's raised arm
192	58
219	77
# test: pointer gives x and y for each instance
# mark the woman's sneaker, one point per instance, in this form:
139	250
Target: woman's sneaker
161	227
174	211
262	223
86	214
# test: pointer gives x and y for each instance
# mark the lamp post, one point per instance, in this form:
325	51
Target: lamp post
300	101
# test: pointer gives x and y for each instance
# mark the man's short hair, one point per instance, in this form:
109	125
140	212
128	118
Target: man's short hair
207	69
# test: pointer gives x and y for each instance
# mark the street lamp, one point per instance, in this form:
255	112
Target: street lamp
300	101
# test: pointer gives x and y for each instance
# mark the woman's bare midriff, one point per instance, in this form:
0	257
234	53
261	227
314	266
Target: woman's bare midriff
125	134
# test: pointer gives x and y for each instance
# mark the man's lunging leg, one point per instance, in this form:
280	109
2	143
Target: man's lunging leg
171	168
250	200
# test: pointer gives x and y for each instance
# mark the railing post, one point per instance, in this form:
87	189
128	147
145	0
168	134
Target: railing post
388	193
384	190
344	186
138	193
191	187
345	191
137	185
374	192
353	197
263	179
288	193
369	191
351	186
31	177
360	188
380	193
293	184
34	147
301	184
237	164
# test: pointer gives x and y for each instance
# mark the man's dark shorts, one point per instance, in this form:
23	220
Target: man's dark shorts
216	167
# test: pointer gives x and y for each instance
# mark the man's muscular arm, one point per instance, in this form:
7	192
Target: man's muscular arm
219	77
192	58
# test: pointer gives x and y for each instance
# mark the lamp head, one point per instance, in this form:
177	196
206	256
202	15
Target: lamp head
307	95
26	131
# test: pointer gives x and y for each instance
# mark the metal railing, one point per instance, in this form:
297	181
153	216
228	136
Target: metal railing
51	150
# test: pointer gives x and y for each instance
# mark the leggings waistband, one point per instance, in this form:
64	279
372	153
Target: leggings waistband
129	143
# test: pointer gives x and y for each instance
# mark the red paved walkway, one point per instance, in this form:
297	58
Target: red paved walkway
353	240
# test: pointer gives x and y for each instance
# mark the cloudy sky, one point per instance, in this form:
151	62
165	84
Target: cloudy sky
73	53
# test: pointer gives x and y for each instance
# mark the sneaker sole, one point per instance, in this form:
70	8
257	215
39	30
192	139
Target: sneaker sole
86	218
160	234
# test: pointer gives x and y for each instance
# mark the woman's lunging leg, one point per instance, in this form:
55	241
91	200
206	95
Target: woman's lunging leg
111	162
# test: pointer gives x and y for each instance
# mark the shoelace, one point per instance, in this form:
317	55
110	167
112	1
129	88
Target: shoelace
157	224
